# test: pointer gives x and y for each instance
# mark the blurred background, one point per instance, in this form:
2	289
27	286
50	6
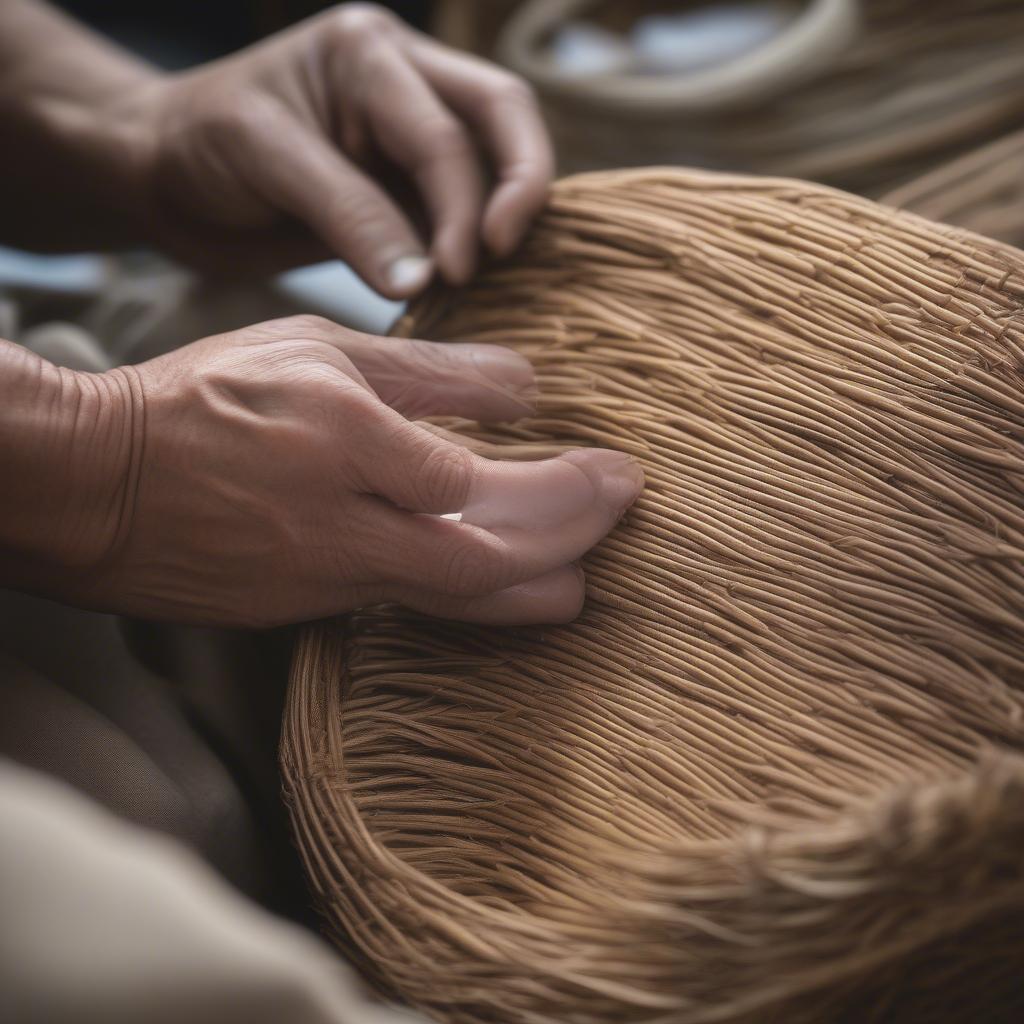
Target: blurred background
179	33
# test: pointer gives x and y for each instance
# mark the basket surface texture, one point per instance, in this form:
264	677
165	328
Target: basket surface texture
773	772
982	190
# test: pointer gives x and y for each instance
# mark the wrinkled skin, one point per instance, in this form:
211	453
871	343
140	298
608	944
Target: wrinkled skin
289	149
269	476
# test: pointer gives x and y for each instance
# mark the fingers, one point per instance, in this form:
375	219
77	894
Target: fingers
423	378
417	378
519	520
422	136
504	112
301	173
556	597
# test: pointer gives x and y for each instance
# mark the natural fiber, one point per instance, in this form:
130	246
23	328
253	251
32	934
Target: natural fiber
919	82
773	772
982	190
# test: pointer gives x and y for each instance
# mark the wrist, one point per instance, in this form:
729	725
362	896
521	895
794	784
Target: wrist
75	128
107	142
69	448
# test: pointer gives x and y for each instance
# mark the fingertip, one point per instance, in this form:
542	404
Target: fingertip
407	276
455	253
581	493
617	476
559	597
501	233
510	212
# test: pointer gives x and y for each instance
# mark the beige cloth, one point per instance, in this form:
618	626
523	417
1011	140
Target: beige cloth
105	923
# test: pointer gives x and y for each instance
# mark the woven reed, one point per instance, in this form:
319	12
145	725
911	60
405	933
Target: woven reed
982	190
773	772
920	83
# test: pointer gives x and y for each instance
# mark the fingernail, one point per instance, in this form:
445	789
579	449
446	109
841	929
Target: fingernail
622	480
617	477
409	273
508	369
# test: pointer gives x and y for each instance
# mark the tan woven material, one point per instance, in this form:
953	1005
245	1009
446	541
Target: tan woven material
982	190
918	83
773	772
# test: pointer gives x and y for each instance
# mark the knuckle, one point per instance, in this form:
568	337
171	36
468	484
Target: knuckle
500	90
375	54
445	475
306	325
474	567
443	138
508	88
428	360
234	114
357	22
365	219
356	409
328	365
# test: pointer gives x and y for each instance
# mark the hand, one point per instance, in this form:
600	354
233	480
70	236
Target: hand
272	477
285	152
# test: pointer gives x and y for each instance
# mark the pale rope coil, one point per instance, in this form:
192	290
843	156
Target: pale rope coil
917	84
815	37
773	772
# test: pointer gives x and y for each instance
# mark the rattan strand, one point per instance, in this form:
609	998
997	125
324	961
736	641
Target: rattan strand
772	773
982	190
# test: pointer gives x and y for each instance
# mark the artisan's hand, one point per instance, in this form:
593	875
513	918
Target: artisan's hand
342	130
271	475
348	135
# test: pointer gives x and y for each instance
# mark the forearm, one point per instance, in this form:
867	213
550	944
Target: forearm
68	137
66	448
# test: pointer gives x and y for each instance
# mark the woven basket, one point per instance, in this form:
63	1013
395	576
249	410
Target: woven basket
863	94
773	773
982	190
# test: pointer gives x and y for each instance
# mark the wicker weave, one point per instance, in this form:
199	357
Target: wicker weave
920	82
982	190
773	772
